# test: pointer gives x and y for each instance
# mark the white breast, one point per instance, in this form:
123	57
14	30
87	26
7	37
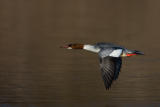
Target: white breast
91	48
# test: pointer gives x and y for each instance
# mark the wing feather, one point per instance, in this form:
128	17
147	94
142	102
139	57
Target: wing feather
110	68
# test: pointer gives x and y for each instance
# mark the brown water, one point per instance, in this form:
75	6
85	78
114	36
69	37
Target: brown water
35	72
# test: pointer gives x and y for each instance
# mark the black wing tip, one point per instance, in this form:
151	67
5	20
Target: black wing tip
108	88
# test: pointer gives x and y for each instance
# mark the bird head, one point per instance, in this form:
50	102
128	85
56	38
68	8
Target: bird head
73	46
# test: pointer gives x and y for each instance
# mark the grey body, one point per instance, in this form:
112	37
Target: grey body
107	48
106	45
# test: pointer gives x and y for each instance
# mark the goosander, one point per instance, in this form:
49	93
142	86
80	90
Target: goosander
110	57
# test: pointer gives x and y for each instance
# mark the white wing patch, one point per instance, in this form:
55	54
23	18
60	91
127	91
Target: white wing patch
116	53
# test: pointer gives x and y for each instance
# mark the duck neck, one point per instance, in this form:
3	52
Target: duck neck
91	48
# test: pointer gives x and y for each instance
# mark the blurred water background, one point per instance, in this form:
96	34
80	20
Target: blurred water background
35	72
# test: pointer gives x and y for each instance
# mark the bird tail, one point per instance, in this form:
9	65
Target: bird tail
137	52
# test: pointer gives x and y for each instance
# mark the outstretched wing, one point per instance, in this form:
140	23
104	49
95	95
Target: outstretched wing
110	68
